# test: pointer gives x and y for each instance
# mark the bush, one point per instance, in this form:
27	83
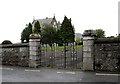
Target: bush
6	42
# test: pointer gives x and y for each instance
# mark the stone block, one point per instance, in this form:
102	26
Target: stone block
88	63
34	57
34	63
88	42
34	52
34	44
34	40
33	48
87	54
88	48
88	38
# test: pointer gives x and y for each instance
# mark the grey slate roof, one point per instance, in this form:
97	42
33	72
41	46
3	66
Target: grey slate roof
45	21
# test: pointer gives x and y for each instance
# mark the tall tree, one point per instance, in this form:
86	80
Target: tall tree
100	33
48	34
66	34
37	28
59	39
67	31
25	33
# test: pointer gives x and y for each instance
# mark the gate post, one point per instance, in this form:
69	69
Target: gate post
34	50
88	49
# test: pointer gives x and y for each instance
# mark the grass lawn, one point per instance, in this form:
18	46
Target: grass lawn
59	47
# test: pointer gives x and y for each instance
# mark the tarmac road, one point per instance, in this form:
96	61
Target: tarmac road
25	74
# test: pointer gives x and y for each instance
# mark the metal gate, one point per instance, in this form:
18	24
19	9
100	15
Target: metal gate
69	56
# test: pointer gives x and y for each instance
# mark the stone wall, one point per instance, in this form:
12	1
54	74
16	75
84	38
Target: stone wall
100	54
107	54
15	54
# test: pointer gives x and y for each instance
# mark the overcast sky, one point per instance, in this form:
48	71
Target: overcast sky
85	14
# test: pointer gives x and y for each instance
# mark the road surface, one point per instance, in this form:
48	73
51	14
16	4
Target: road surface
25	74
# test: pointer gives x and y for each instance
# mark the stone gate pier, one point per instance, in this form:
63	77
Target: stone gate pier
88	49
34	50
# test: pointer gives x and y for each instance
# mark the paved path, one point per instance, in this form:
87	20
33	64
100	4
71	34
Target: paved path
24	74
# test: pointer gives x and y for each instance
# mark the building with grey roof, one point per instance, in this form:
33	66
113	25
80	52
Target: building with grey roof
48	21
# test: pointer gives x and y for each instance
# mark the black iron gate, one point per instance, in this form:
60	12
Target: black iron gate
69	56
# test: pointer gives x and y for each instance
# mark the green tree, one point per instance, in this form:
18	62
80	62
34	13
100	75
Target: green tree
66	34
67	31
25	33
49	34
78	40
58	39
37	28
100	33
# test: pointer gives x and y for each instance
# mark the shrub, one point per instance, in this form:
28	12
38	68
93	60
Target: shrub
6	42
